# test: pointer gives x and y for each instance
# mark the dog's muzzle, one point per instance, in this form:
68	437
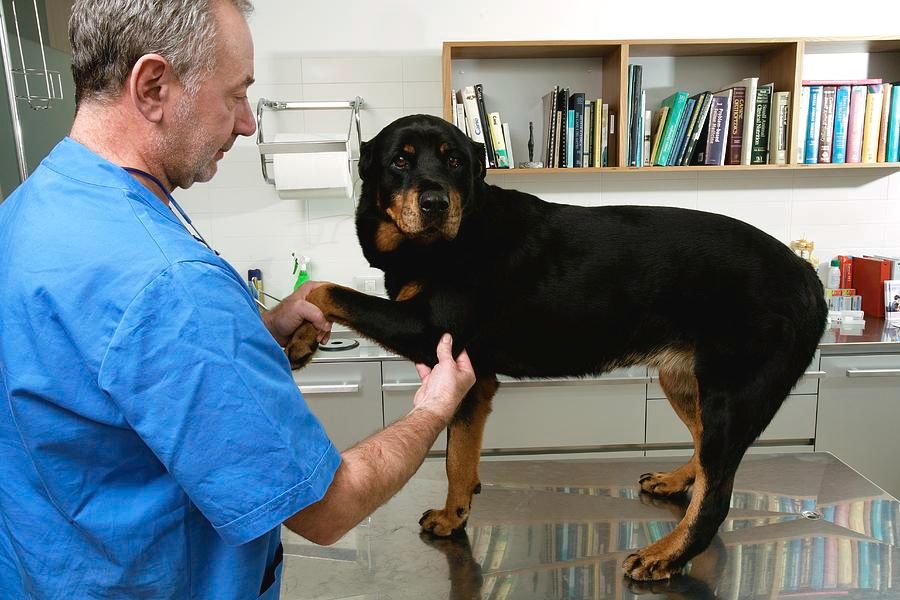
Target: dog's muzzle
434	204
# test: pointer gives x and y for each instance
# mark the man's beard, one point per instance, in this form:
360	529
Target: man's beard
184	154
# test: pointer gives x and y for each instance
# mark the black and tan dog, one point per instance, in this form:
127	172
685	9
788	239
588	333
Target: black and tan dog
728	315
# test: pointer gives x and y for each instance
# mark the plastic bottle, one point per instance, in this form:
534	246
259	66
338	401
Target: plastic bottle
834	274
300	270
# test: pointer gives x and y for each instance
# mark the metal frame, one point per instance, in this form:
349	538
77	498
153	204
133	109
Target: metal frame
267	148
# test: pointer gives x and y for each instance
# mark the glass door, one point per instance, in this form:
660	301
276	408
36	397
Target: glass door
37	95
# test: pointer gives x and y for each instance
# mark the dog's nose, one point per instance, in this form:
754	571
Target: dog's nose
434	203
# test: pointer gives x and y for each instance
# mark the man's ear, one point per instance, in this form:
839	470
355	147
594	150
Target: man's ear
150	85
480	167
366	150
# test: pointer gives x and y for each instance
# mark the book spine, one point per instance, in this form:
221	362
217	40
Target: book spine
482	112
660	124
749	119
587	145
507	141
676	108
803	119
782	125
699	127
473	119
718	130
681	134
759	154
570	138
645	151
577	106
883	127
841	116
872	120
892	152
597	130
606	120
636	118
736	126
563	112
497	139
826	128
639	135
813	125
855	123
689	132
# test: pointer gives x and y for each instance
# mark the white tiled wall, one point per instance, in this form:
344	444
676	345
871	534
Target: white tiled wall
244	218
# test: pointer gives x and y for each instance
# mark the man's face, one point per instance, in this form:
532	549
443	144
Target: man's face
204	125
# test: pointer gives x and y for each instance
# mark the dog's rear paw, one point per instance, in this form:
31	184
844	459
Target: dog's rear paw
439	521
664	484
302	346
649	564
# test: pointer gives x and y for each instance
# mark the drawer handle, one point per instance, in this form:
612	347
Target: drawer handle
873	372
400	387
561	382
814	374
331	388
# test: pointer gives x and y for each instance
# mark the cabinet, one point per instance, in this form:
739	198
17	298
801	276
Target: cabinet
859	415
551	415
345	397
517	74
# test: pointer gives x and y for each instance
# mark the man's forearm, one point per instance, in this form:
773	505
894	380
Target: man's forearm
370	474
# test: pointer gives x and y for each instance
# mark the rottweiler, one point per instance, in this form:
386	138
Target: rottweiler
728	315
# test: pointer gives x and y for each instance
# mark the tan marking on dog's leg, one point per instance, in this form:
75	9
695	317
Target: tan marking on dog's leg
408	291
302	345
676	377
463	452
388	237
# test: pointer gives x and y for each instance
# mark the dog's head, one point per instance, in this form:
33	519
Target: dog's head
421	172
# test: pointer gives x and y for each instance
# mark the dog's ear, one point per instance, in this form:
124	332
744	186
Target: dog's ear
366	151
479	159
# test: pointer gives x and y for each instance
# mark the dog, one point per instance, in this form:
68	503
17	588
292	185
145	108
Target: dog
728	314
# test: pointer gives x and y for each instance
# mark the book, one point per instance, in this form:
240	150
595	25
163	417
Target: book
636	116
587	142
803	117
570	138
681	136
717	136
473	119
855	123
608	123
658	126
892	151
645	130
841	116
699	126
597	130
869	275
759	151
576	106
813	125
562	103
482	112
676	103
509	149
826	128
871	122
778	128
453	93
735	145
549	105
496	127
750	85
883	126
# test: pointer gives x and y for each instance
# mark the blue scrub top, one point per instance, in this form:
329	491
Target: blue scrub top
152	437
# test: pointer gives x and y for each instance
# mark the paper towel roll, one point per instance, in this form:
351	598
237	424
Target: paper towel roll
312	173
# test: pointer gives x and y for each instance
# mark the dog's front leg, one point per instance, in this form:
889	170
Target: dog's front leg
463	451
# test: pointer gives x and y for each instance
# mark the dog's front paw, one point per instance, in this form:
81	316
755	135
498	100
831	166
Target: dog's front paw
651	563
665	484
439	521
302	346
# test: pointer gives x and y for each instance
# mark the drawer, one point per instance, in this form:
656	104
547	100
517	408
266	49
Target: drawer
808	384
794	421
346	398
556	413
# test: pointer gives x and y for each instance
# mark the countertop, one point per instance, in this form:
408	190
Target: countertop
545	530
875	336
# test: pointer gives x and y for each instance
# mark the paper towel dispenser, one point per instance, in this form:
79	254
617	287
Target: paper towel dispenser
304	144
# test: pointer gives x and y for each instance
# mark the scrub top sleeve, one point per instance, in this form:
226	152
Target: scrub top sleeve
203	383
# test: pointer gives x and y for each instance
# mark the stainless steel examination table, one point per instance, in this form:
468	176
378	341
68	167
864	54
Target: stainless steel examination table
800	524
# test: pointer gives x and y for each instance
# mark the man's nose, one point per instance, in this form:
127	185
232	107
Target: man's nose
246	121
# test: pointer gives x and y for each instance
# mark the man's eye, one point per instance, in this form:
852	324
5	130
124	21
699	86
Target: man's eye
454	162
400	162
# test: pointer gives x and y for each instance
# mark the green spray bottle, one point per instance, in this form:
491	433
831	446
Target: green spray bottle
301	264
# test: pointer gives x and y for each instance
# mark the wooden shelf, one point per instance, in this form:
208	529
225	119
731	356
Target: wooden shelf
516	75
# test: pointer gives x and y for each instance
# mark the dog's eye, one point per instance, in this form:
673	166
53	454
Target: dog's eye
400	162
454	162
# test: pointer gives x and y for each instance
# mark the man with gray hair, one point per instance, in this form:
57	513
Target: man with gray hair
153	438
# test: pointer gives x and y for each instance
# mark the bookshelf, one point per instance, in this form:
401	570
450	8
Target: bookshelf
516	75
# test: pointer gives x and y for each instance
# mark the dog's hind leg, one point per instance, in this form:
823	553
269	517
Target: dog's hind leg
680	386
463	452
734	408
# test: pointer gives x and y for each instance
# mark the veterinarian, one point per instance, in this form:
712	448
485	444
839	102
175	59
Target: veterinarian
153	440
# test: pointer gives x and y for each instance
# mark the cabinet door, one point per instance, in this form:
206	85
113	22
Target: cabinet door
529	414
859	415
795	420
345	397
